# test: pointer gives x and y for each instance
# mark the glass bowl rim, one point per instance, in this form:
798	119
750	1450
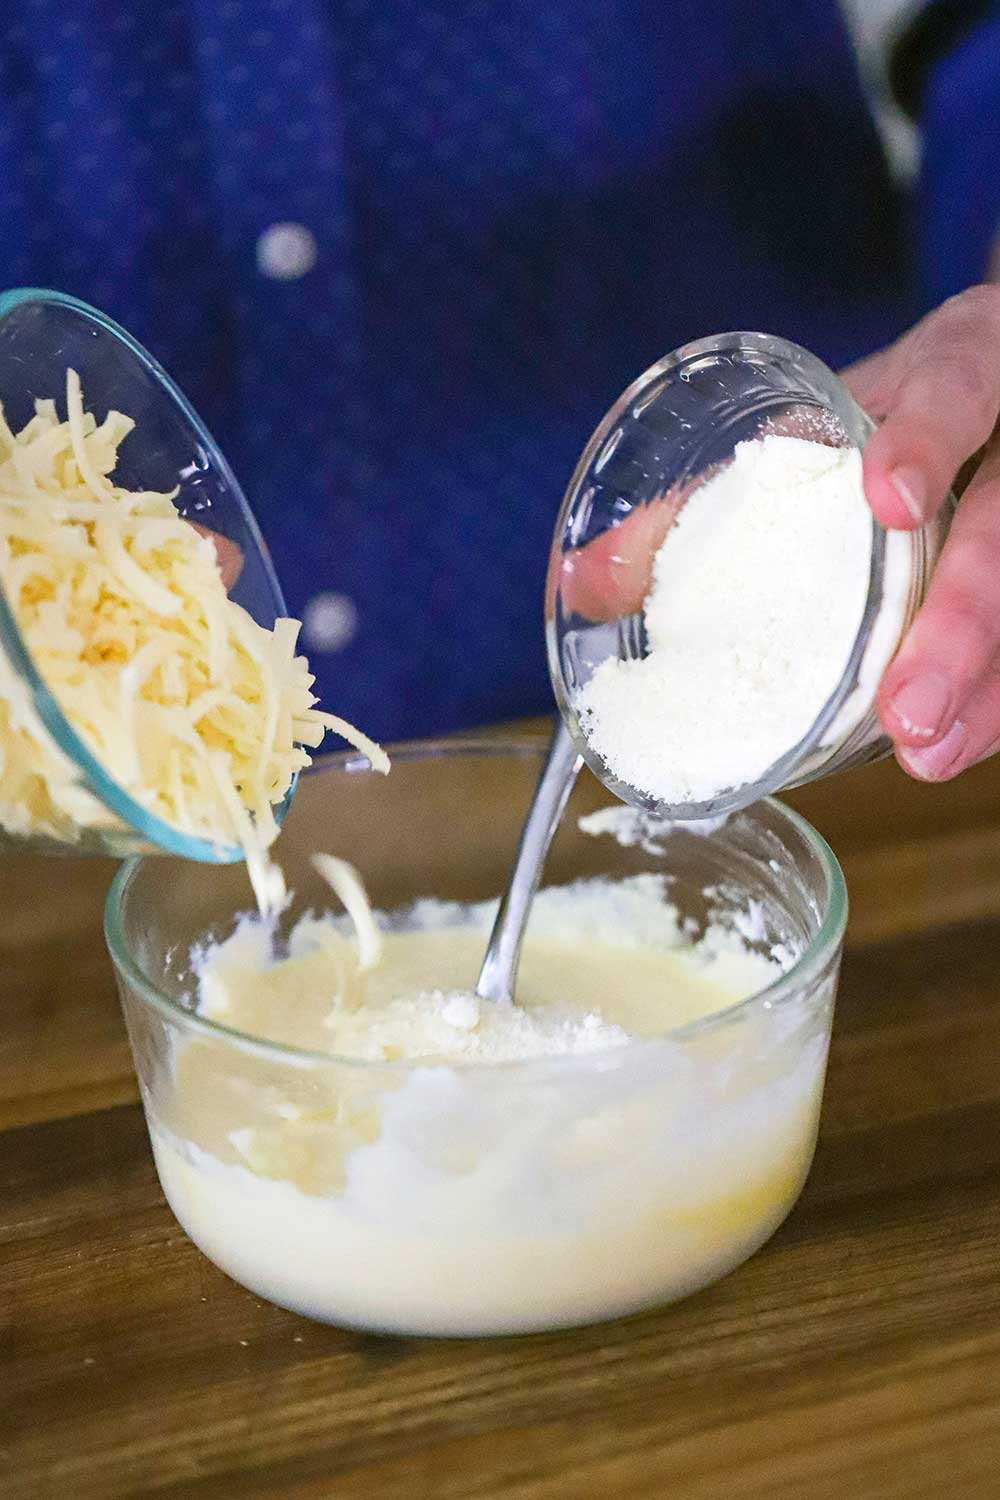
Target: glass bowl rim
806	970
110	793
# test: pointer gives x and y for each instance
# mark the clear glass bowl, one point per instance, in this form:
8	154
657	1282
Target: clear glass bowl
451	1199
42	334
676	423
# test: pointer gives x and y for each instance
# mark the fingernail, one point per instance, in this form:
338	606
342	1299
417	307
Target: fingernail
937	760
909	486
921	705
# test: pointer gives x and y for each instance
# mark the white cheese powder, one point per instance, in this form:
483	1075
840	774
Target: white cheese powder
758	594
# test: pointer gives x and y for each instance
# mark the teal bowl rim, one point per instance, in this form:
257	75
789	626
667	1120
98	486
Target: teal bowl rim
135	817
807	969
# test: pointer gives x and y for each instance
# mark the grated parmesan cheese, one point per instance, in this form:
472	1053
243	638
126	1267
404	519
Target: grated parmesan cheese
199	713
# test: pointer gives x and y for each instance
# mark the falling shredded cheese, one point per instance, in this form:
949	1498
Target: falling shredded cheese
199	713
346	884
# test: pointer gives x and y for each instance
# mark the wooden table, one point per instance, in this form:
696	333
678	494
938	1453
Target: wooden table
857	1357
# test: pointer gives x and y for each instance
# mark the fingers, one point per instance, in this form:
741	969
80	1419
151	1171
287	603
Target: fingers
973	737
612	575
940	698
228	554
870	382
942	409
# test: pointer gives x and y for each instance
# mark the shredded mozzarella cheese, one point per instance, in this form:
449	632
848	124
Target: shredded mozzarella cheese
199	713
347	885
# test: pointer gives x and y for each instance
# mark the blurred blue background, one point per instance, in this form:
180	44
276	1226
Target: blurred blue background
402	254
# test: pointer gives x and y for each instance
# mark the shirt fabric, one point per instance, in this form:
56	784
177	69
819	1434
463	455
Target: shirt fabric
403	254
960	177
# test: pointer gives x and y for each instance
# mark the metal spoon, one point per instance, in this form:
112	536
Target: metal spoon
497	976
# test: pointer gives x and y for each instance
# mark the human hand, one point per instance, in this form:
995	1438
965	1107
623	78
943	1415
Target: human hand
228	555
936	395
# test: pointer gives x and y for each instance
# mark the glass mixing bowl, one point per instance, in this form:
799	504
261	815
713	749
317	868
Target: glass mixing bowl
457	1199
42	334
667	433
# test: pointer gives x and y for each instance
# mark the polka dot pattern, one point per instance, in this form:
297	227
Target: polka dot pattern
402	253
330	622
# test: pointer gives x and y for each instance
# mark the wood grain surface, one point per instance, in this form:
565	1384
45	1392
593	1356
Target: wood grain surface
857	1357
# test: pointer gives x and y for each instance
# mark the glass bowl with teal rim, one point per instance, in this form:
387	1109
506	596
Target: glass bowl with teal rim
42	334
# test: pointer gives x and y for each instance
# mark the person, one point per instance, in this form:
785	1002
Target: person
402	256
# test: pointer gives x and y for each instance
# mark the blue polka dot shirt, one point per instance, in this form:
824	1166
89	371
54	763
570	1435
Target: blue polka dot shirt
402	254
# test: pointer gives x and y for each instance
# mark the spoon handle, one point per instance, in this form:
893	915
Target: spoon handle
497	976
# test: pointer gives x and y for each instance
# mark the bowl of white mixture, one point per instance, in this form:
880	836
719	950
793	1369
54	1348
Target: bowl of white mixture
342	1127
